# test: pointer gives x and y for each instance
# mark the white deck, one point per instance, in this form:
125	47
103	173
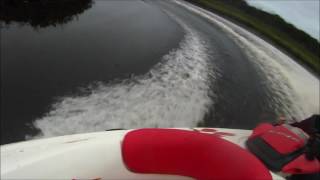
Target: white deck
80	156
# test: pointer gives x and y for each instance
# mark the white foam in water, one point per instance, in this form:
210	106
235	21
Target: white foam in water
173	94
297	88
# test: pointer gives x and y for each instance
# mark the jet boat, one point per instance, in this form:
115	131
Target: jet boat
153	154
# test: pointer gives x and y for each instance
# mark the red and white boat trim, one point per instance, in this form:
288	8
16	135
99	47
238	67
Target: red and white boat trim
135	154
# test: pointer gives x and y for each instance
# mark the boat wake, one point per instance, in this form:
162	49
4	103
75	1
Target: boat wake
173	94
295	91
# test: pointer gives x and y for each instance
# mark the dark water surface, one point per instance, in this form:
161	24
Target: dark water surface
43	61
240	98
138	63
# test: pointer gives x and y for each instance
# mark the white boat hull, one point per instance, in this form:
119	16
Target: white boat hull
84	156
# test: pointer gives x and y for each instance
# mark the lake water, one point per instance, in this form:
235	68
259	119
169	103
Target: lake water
97	65
109	40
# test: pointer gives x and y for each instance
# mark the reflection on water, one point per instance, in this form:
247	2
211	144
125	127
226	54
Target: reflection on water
42	13
112	40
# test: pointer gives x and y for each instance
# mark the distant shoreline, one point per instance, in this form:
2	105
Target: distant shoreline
41	13
312	63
